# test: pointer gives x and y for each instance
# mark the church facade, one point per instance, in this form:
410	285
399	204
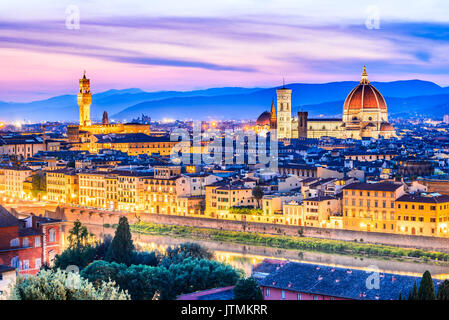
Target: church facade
364	115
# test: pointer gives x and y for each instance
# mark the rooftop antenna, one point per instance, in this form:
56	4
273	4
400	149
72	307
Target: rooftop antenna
283	83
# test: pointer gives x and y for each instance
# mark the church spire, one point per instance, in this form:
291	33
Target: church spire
273	109
364	76
273	116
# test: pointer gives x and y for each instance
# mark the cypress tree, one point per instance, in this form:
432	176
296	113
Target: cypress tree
443	291
121	249
413	295
426	287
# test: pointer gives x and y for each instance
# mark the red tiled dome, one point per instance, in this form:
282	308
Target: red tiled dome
264	119
364	96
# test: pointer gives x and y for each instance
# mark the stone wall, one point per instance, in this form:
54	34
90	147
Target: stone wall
94	217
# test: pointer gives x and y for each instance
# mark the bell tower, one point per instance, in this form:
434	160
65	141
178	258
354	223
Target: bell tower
284	113
84	98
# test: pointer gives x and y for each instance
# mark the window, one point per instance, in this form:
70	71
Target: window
14	242
38	263
15	262
267	292
52	235
283	294
315	297
299	296
25	243
37	241
26	265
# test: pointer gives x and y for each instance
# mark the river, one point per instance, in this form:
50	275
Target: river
246	256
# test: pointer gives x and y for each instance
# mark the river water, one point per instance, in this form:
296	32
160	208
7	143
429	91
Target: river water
246	256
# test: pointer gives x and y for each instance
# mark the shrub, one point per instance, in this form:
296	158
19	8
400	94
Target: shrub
59	285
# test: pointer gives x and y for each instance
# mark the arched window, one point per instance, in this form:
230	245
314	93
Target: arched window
52	235
15	262
14	242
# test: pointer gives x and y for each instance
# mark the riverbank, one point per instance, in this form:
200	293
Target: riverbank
291	242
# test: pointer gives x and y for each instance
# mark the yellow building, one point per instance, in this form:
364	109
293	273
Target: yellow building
423	215
371	206
62	186
131	191
132	144
160	190
92	190
318	212
220	197
13	179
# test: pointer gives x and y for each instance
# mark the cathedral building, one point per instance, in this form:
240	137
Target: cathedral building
364	115
85	129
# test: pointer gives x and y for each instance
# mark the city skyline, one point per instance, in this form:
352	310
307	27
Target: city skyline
206	45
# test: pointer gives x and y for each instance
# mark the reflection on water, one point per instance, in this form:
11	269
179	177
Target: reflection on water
246	256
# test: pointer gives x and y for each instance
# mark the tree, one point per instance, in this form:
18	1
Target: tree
190	249
121	249
102	271
413	295
194	275
426	287
147	283
443	290
146	258
80	251
247	289
79	236
60	285
258	194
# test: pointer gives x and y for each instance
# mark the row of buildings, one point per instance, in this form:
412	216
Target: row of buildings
303	195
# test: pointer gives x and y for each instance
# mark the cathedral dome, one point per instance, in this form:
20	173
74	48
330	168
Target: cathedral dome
264	119
364	96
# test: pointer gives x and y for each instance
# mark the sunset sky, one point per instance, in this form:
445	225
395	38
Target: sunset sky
184	45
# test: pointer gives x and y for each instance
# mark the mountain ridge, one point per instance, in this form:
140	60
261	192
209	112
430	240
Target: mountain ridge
224	102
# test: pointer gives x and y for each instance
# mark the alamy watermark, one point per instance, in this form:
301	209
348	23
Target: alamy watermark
373	17
72	19
225	147
73	280
373	280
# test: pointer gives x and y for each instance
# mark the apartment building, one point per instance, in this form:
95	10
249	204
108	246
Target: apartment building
160	190
422	214
221	196
13	179
371	206
62	186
